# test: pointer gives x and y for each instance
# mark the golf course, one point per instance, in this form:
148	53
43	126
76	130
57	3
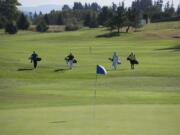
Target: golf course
53	100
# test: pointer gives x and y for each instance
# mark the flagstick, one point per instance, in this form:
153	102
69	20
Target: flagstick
94	105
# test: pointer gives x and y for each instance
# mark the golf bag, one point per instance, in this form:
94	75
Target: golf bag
67	59
74	61
38	59
133	61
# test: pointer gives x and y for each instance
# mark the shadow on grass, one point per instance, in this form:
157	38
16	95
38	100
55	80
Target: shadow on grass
61	70
174	48
109	35
24	69
56	122
176	37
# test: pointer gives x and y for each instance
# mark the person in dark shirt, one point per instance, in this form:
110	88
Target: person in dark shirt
133	60
34	59
70	60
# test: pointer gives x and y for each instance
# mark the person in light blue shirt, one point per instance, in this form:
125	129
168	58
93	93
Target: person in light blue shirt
115	60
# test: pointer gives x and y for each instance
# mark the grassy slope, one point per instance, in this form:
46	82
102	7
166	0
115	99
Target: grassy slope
155	81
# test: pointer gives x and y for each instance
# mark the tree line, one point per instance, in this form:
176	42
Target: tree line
115	17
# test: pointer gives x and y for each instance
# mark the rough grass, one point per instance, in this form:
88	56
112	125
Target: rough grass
53	100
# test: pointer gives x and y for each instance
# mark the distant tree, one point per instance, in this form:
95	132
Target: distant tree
178	10
144	7
131	15
158	5
42	26
60	20
22	22
114	7
119	18
30	16
91	20
66	8
8	9
87	20
71	27
11	28
77	6
46	19
94	21
104	15
87	6
95	7
8	12
40	13
34	18
136	19
3	21
169	9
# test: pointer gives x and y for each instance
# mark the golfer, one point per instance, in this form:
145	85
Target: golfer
34	59
70	60
132	59
115	60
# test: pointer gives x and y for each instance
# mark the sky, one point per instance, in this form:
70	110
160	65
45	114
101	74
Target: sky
30	3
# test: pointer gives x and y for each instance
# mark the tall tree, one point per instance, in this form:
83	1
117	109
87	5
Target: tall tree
178	10
77	6
95	6
169	9
60	20
131	14
87	20
104	15
144	7
22	22
120	17
46	19
11	27
8	10
66	8
41	26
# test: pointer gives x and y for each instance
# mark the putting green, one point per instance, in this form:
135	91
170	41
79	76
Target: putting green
109	119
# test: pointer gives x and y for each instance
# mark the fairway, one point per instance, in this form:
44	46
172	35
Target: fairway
53	100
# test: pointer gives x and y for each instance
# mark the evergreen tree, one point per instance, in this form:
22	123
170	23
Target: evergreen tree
3	21
169	9
178	10
144	7
42	26
136	19
60	20
46	19
130	18
66	8
22	22
77	6
94	21
11	27
120	17
104	15
95	7
8	12
87	20
8	9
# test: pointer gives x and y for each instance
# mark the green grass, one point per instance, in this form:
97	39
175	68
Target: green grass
163	25
144	101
